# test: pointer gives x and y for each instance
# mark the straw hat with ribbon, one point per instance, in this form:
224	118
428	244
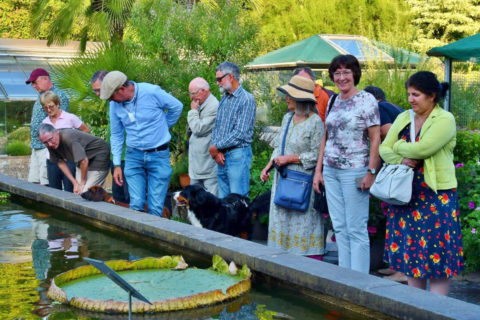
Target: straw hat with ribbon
299	89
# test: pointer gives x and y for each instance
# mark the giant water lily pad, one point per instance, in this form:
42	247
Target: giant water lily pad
165	281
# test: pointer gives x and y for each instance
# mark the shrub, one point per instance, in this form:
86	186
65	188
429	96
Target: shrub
468	146
17	148
180	167
21	134
262	152
468	176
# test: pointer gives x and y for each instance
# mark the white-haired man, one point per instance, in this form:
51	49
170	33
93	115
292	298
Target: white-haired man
201	118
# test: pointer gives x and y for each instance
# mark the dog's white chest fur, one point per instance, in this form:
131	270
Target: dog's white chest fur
191	215
193	219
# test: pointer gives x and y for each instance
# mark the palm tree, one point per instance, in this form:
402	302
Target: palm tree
99	20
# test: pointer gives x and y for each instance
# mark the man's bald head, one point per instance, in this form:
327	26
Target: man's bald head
199	89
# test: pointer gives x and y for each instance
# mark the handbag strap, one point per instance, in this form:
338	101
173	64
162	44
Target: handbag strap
281	170
285	135
413	137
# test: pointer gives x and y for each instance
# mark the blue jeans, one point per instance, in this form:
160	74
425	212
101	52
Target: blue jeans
154	166
348	208
120	193
234	176
56	176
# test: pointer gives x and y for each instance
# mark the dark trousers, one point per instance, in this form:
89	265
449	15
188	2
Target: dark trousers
120	193
56	176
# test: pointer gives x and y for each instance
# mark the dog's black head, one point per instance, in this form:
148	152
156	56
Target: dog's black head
197	199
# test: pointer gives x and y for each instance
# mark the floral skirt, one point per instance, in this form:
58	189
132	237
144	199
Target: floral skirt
423	238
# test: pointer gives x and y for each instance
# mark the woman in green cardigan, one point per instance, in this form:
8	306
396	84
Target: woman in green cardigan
423	238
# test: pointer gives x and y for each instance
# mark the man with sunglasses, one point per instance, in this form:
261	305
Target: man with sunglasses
145	112
233	131
201	118
40	80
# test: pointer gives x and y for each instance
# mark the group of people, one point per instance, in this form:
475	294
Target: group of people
140	115
423	238
337	138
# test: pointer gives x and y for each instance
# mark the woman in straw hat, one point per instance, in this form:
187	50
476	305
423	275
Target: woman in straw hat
295	231
349	159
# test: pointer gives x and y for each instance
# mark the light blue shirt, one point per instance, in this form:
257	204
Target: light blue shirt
145	119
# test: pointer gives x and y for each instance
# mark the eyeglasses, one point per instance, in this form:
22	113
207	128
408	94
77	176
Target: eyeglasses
219	79
50	106
46	142
343	73
195	93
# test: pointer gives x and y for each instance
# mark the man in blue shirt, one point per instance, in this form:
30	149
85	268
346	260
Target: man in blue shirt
232	133
144	112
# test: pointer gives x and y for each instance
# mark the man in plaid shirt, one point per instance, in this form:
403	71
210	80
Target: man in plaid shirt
232	133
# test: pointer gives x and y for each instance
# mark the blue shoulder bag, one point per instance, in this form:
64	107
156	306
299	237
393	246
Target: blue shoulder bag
294	187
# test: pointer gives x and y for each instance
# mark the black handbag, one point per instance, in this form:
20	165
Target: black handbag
294	187
320	200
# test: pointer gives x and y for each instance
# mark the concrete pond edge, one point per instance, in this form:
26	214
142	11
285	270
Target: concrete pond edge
382	295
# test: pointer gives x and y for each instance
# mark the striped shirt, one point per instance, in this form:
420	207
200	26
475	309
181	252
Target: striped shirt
235	120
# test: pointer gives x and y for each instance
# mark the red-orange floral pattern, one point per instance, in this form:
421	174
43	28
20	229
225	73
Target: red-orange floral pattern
424	237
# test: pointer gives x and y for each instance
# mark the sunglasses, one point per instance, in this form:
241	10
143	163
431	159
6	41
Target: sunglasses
221	78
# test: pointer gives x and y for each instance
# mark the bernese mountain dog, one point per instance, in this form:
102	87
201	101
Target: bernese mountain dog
230	215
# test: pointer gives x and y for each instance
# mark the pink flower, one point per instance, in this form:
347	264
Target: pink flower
385	212
474	231
471	205
459	165
325	215
372	229
383	205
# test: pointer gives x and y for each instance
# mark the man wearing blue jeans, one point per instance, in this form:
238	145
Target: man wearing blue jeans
232	133
145	112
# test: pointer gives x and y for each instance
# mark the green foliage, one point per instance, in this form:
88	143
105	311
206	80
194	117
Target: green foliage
18	148
439	22
15	19
4	198
391	78
219	265
468	176
466	99
468	146
261	156
97	20
180	167
21	134
287	21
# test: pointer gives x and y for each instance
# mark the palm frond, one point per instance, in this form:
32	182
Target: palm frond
40	10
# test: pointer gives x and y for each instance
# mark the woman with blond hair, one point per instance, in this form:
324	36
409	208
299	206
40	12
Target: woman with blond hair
59	119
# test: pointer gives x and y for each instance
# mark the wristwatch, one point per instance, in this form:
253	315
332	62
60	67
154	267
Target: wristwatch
373	171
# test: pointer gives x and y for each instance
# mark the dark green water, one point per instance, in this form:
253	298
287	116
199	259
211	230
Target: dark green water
37	243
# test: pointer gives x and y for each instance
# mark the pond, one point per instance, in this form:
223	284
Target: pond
37	243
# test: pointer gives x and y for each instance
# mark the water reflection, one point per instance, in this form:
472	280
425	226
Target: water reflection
35	247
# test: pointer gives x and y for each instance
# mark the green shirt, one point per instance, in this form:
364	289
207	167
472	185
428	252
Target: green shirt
435	147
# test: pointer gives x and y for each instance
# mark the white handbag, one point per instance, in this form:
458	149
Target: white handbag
393	183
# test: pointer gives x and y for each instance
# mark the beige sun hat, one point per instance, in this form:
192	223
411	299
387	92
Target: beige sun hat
112	81
300	89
